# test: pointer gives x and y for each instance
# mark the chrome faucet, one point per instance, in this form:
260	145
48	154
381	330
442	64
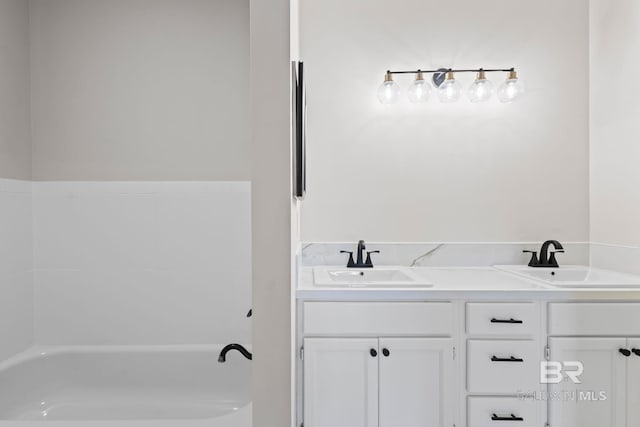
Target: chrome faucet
359	263
546	260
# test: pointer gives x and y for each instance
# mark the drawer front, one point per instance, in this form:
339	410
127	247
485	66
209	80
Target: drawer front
503	319
508	367
594	319
502	412
377	318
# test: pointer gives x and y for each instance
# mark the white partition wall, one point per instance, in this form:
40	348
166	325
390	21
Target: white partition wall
273	209
16	290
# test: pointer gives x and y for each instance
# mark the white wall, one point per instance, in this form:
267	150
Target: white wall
140	89
152	96
16	288
15	132
438	172
615	108
142	262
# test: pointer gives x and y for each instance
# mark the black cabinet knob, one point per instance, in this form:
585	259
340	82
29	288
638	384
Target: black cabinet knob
386	352
373	353
636	351
625	352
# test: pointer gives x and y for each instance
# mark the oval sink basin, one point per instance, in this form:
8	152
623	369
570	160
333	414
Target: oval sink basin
577	276
368	277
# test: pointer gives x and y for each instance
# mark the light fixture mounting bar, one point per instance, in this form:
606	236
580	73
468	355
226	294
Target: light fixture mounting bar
453	70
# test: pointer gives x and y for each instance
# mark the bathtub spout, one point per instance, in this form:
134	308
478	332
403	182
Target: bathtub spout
223	354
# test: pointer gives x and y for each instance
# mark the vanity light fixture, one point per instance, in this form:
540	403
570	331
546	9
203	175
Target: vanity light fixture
419	90
512	89
389	91
449	88
482	88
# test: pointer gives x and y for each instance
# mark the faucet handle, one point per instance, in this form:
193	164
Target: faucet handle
533	262
553	262
351	263
368	262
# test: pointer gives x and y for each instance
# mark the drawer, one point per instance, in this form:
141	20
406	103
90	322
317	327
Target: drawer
377	318
594	319
503	319
503	366
492	412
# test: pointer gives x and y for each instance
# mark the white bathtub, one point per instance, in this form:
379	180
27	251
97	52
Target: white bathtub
125	386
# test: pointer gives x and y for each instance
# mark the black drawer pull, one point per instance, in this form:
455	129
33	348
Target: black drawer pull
511	321
494	417
510	359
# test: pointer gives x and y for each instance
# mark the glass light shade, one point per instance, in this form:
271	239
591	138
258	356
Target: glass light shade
511	90
450	89
389	91
419	90
481	90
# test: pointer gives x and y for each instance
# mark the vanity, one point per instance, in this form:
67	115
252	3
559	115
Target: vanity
464	347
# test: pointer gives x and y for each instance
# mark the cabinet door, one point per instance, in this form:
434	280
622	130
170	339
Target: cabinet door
599	400
340	382
633	384
416	382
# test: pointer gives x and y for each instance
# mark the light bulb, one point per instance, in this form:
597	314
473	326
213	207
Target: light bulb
450	89
388	91
419	90
512	89
482	89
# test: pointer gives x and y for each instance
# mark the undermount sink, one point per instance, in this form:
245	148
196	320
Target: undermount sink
381	277
576	277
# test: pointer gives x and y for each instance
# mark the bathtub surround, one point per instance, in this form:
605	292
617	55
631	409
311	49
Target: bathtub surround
142	262
16	284
15	131
434	172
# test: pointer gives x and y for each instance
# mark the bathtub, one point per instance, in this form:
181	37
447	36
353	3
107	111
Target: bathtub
125	386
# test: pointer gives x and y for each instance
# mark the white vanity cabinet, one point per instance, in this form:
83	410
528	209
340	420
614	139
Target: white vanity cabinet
468	363
416	382
503	355
386	382
371	364
582	405
340	382
598	335
633	383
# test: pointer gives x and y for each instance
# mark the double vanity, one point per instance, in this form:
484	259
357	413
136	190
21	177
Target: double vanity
404	346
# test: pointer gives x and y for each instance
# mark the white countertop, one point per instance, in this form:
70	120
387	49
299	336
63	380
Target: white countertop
460	283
